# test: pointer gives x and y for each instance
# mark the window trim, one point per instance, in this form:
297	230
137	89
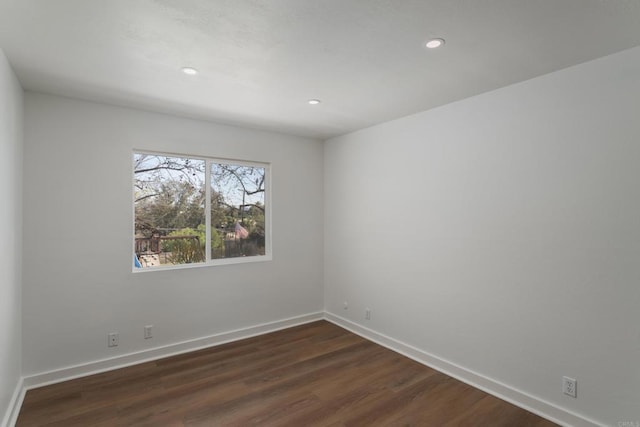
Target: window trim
209	262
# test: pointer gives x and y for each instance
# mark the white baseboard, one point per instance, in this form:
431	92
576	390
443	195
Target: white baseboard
530	403
11	416
523	400
83	370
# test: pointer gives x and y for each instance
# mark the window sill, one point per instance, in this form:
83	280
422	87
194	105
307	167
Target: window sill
212	263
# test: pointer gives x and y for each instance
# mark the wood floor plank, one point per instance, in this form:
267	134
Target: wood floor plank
316	374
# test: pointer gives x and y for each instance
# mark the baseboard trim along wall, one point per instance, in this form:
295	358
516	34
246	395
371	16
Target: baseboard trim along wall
533	404
523	400
86	369
11	416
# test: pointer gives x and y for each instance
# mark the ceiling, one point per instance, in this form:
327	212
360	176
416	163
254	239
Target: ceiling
260	61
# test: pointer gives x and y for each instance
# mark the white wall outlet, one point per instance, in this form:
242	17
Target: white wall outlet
367	314
148	332
345	305
570	386
112	339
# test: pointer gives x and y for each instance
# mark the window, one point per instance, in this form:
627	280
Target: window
196	210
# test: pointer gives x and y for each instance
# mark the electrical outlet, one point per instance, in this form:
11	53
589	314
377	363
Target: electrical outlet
570	386
112	339
345	305
367	314
148	332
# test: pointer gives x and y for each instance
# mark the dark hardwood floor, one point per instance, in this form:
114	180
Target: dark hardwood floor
311	375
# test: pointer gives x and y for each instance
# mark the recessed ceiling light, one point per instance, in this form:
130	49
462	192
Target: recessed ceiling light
189	71
314	101
435	43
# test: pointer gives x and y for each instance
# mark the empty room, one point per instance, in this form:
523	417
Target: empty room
320	213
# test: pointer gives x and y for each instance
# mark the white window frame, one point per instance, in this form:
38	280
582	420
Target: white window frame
208	260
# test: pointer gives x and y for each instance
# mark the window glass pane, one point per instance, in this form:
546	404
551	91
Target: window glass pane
237	210
169	199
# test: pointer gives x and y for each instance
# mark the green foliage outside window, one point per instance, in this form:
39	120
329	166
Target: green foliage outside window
170	203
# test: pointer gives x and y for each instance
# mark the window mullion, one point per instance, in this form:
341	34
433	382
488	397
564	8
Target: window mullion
207	210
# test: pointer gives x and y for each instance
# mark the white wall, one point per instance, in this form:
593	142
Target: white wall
502	233
11	116
78	283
